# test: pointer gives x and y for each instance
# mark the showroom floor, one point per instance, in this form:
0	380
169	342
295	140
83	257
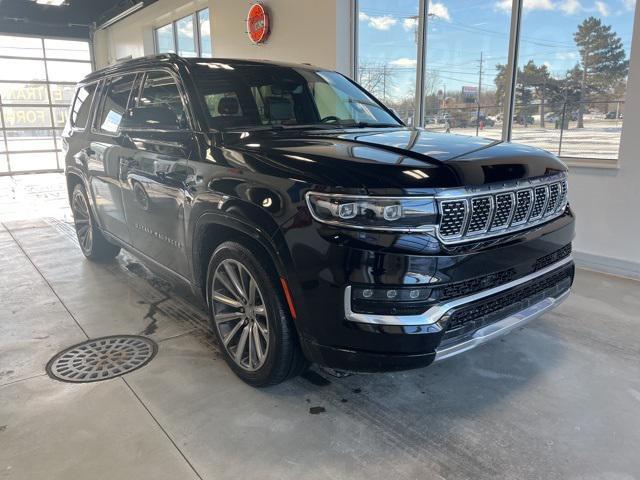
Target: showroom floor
557	399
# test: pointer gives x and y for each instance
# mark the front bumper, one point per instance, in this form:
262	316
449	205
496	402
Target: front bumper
499	276
486	315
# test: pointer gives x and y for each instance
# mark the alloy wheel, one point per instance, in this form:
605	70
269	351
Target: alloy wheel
240	314
82	221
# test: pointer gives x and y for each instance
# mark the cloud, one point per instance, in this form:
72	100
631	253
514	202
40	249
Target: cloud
567	55
629	4
410	23
602	8
384	22
404	62
529	5
570	7
440	10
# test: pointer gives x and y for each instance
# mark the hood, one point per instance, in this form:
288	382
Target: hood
403	158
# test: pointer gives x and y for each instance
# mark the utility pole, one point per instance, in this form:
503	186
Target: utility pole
479	93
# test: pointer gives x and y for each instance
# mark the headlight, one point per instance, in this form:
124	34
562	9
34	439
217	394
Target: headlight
407	214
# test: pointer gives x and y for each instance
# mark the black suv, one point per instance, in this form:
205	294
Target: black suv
317	226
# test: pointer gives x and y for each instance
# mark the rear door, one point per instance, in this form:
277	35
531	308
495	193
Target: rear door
155	168
105	153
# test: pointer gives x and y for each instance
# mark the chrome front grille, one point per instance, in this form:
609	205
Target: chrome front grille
494	211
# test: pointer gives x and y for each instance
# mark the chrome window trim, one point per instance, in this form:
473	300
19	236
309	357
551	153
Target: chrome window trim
434	313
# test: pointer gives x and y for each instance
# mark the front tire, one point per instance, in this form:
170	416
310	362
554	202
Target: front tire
250	318
92	242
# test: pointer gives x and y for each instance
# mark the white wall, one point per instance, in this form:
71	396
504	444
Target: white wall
607	202
311	31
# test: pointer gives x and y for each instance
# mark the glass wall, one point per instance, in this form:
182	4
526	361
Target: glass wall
465	42
572	74
572	68
189	36
37	79
388	52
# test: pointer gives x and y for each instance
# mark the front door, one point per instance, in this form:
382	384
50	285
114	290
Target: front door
154	167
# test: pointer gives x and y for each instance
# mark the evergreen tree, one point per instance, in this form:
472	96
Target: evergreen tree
602	60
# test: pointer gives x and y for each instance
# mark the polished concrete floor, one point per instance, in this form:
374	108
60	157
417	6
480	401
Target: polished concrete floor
559	399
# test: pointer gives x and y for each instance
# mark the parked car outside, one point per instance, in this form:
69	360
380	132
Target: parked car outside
315	225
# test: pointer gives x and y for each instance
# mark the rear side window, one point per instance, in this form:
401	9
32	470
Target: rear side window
160	104
82	105
114	102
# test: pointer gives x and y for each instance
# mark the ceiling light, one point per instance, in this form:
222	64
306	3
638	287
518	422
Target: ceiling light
54	3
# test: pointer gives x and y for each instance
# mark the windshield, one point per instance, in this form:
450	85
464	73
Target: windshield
271	96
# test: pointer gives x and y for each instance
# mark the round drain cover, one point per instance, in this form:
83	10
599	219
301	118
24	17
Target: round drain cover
102	358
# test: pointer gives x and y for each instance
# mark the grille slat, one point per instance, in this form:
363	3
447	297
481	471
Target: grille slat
454	214
554	195
488	213
481	210
504	208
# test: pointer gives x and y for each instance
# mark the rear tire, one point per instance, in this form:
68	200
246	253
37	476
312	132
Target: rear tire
92	242
250	318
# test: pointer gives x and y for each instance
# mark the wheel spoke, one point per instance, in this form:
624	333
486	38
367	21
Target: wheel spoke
259	310
234	280
227	317
252	292
224	280
263	331
242	344
232	333
257	341
250	339
218	297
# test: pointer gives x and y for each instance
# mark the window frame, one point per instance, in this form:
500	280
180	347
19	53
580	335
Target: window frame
97	111
195	18
45	56
92	106
186	105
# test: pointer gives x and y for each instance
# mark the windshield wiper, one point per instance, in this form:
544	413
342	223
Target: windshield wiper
370	125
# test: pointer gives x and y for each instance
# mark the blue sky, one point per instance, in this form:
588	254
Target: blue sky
460	30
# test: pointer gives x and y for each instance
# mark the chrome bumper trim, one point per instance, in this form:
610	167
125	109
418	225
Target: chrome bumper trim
502	327
436	312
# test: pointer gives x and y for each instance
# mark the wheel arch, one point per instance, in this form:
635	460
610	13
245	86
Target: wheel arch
212	229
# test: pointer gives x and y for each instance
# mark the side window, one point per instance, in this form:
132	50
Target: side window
160	104
114	102
82	105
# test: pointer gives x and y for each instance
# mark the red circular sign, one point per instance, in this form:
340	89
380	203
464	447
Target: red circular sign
258	23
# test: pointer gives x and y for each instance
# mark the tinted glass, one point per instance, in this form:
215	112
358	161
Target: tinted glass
82	106
252	95
114	102
160	104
